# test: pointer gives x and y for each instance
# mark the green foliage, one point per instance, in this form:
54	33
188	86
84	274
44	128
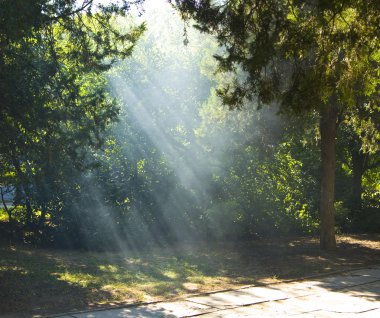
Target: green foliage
226	221
168	159
272	189
342	216
306	56
54	99
137	188
300	54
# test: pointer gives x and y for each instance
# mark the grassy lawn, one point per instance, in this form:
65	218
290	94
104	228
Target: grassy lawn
38	281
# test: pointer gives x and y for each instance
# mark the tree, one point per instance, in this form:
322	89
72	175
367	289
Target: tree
305	55
354	157
156	164
357	187
54	100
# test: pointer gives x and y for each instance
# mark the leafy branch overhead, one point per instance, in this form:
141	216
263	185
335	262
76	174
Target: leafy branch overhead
294	51
114	133
305	56
54	99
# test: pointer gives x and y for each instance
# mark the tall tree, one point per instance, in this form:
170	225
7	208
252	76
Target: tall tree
53	97
358	161
304	54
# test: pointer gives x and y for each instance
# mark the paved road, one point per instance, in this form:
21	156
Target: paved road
353	294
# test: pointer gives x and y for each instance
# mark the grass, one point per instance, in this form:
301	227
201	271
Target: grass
37	281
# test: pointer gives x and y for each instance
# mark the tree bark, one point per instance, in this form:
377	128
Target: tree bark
9	212
24	186
42	218
10	217
358	169
328	127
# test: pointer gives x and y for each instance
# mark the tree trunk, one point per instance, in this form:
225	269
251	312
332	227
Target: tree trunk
24	187
328	127
9	212
358	168
10	217
42	218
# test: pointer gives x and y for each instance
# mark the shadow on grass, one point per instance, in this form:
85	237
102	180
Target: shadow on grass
41	281
27	285
290	258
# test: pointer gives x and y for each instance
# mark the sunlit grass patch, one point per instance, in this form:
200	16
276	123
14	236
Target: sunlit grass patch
108	268
170	274
13	268
197	279
61	281
121	292
162	289
80	279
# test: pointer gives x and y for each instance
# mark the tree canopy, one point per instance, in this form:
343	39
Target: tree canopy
121	133
306	56
54	101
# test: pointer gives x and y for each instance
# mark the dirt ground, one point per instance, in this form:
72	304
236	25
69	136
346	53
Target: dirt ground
37	281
